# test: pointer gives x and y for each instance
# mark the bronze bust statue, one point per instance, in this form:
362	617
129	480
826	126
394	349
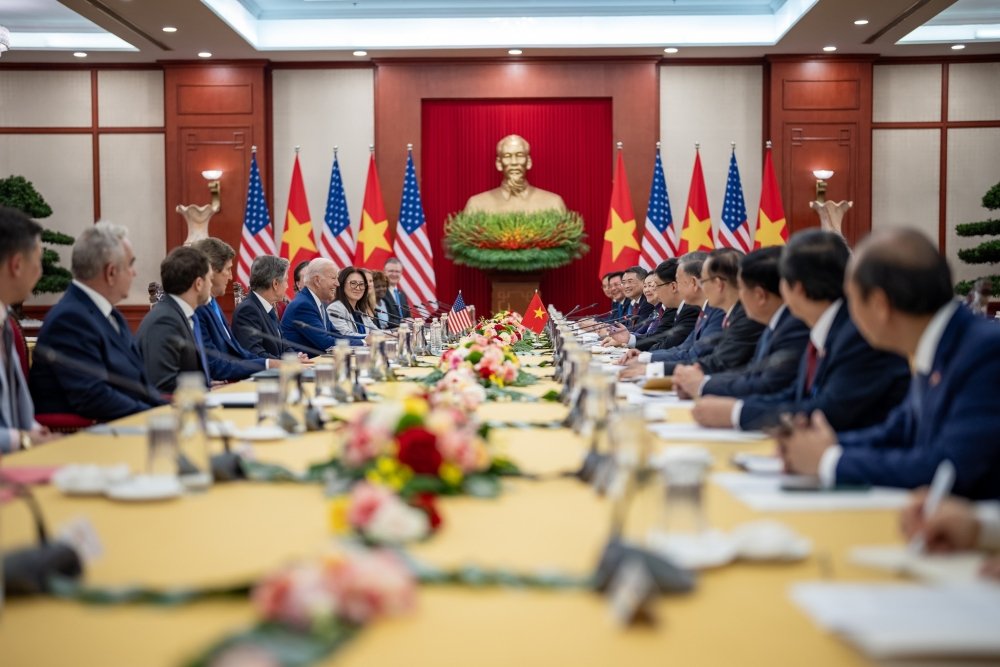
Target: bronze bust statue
515	194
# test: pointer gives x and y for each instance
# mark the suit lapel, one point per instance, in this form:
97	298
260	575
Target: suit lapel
832	342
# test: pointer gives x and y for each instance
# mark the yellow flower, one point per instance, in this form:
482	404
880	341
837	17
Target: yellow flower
416	406
337	514
389	472
450	473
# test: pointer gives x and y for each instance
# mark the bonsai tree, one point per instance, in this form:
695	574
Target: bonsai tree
987	252
18	192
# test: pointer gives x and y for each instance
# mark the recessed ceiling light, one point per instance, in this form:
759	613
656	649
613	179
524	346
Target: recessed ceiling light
205	54
861	22
80	54
670	49
514	52
169	28
360	54
957	47
829	48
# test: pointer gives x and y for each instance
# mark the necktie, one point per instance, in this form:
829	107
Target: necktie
221	319
812	361
395	293
725	321
699	324
201	350
763	345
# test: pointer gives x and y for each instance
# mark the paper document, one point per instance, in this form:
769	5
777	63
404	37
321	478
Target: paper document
954	568
907	620
764	494
234	399
695	433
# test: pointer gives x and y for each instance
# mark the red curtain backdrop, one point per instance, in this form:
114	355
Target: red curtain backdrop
571	154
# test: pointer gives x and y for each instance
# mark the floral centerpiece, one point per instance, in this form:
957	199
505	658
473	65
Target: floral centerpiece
515	241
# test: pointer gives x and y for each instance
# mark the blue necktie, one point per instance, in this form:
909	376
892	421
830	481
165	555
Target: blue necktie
221	318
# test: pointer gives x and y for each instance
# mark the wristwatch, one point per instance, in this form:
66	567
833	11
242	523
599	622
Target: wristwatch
25	440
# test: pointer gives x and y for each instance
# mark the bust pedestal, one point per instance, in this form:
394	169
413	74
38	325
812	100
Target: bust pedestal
512	290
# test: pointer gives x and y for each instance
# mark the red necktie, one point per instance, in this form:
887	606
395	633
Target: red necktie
812	359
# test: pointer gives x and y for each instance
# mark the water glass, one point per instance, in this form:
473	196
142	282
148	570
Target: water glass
163	448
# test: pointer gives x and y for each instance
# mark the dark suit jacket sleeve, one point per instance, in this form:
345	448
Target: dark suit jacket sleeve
221	365
675	335
771	374
313	335
734	349
690	349
75	336
862	377
162	341
247	318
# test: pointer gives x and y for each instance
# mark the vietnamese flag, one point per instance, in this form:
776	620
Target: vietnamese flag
620	250
535	317
374	245
696	232
297	242
771	226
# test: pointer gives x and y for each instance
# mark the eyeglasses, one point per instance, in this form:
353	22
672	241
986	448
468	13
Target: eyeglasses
702	281
659	285
356	284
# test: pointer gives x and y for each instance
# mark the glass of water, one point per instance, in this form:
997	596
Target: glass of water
163	448
268	400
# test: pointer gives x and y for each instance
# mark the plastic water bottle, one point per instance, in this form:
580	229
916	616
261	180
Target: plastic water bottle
436	338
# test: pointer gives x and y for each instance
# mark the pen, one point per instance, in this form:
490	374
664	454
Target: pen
944	478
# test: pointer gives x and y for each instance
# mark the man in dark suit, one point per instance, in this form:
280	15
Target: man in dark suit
900	294
228	361
614	292
169	336
306	324
840	374
636	308
396	302
20	269
95	369
781	345
256	315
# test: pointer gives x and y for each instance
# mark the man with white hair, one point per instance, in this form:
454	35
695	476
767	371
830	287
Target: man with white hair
93	367
305	324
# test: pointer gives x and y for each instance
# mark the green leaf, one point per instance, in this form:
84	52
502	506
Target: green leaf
551	395
289	648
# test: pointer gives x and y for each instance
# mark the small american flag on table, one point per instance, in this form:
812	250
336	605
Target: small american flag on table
459	318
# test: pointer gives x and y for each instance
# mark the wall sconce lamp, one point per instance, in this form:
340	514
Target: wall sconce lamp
831	214
198	217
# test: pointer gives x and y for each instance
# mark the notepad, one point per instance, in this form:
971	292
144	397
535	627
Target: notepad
764	494
907	620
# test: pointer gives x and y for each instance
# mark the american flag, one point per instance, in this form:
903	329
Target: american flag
258	234
659	238
412	246
336	242
459	318
734	231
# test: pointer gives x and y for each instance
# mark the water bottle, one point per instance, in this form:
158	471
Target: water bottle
192	412
435	338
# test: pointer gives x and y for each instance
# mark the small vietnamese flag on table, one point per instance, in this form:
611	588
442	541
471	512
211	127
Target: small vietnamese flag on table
535	317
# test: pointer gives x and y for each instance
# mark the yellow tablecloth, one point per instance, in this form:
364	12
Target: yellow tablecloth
739	615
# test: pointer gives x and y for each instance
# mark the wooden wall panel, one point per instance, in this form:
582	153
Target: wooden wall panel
215	113
820	113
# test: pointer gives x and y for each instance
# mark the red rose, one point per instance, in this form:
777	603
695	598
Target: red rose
418	449
425	502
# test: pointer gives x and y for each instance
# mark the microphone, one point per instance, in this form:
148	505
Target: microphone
601	324
577	307
57	358
281	341
389	317
587	307
215	354
335	334
606	312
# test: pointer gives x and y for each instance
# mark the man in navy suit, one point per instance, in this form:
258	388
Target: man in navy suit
776	359
256	315
614	292
306	324
900	291
228	361
840	374
85	327
169	336
20	269
636	309
395	299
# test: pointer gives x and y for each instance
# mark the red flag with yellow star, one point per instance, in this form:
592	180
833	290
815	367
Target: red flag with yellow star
374	244
297	242
696	233
620	249
535	317
771	226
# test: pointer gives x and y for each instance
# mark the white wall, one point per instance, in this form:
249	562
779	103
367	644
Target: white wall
61	166
713	106
317	110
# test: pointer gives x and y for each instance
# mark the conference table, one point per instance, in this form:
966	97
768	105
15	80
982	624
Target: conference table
739	614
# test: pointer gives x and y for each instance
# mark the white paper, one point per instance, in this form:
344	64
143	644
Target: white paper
695	433
960	567
907	620
764	494
231	399
759	464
